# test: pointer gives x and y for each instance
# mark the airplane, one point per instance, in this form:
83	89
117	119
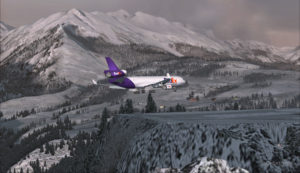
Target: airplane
119	78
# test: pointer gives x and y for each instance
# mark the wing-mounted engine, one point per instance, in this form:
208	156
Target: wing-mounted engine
124	71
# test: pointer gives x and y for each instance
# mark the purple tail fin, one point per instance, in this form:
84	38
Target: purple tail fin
111	65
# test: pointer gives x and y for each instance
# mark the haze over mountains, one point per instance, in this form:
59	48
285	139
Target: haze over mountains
72	41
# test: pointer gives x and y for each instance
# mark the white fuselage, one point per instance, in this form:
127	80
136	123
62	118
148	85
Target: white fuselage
142	81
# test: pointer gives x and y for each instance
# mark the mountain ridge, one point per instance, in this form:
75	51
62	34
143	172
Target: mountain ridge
70	46
5	28
155	30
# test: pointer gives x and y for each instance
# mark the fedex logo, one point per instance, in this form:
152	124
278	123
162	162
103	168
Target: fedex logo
117	73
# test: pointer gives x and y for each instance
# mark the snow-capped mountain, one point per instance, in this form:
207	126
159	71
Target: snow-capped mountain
262	52
69	45
4	28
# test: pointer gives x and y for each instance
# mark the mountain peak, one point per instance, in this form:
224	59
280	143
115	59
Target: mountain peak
76	12
120	13
145	17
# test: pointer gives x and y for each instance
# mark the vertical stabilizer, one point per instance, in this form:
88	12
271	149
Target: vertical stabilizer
111	65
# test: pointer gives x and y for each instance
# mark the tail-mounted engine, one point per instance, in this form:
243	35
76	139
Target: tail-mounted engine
110	73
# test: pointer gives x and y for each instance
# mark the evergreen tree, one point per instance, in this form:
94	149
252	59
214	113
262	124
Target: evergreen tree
121	110
59	123
103	122
151	106
179	108
68	124
236	106
183	109
47	148
128	106
61	144
63	111
36	166
1	114
25	113
33	111
52	150
42	148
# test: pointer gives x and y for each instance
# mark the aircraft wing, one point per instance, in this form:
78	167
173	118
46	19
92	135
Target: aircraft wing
161	82
94	82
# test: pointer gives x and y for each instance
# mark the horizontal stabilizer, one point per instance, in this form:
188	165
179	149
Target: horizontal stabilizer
94	82
116	87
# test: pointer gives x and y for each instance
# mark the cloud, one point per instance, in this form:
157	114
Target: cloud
270	21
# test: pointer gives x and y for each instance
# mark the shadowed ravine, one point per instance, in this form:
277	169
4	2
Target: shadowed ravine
263	141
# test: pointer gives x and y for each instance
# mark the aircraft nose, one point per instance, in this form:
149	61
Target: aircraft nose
183	81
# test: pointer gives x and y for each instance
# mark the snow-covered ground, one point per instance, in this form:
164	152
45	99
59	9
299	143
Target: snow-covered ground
284	88
204	164
39	103
43	158
252	140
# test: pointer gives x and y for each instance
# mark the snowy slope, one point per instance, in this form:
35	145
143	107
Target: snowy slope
53	49
73	43
49	159
204	164
9	108
263	52
116	29
260	142
291	54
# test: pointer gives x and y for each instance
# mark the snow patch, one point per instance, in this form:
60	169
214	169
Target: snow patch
49	159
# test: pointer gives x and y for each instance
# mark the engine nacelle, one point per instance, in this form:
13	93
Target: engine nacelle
110	73
124	71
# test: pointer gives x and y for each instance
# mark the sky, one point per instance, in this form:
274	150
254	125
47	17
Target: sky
274	22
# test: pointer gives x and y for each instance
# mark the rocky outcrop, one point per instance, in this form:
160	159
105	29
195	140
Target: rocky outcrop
257	146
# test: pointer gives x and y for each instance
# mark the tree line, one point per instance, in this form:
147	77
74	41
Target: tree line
13	147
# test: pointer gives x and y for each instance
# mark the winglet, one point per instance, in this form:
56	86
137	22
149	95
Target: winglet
111	65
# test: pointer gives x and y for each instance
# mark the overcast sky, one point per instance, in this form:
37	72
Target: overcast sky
271	21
